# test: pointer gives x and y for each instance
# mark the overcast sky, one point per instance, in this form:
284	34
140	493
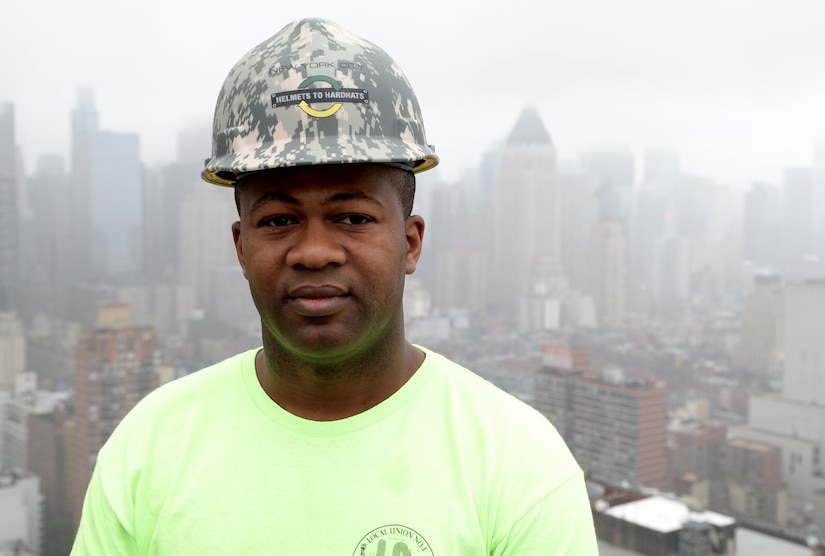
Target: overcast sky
738	86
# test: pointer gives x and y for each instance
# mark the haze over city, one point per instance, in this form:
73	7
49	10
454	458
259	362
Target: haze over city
735	86
626	231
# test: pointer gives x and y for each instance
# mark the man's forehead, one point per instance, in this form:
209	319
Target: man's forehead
322	175
317	184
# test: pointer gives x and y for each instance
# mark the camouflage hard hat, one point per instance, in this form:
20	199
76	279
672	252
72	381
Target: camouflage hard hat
315	94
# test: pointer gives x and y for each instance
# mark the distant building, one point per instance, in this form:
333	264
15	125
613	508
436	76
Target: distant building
695	457
618	430
47	261
760	346
116	367
755	486
106	198
526	215
12	349
762	226
614	426
663	526
204	243
20	506
562	364
798	218
9	216
795	420
50	437
607	271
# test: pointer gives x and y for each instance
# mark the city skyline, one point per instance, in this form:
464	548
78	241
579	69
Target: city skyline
734	88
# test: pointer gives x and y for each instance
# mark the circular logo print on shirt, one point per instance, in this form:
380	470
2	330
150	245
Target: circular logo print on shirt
392	540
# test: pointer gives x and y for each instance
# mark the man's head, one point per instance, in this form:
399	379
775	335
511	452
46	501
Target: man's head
315	94
326	250
320	133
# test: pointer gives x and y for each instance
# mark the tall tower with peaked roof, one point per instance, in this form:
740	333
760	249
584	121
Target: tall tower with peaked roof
526	215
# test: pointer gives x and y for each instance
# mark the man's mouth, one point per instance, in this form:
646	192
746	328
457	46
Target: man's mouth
317	301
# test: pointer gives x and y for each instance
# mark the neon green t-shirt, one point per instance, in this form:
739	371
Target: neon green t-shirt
448	465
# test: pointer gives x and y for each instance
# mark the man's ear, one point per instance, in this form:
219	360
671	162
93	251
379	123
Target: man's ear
415	238
236	237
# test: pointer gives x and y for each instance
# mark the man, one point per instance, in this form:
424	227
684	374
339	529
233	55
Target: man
338	436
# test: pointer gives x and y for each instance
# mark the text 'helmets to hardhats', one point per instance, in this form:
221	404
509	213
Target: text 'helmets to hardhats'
315	94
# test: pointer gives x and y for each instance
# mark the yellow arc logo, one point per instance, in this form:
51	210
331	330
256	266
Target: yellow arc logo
304	105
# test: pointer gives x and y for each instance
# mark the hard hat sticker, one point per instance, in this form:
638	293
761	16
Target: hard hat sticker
304	96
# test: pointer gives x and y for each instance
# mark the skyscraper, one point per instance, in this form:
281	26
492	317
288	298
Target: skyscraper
606	271
106	197
116	367
798	205
762	237
795	421
9	231
526	214
618	430
760	343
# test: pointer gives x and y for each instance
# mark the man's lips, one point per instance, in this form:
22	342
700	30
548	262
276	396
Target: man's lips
317	301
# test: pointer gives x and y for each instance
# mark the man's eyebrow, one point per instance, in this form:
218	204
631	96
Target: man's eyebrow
352	196
273	196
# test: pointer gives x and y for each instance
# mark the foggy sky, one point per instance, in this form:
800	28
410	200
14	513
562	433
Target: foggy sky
738	86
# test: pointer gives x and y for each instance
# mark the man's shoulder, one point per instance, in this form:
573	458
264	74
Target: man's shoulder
475	392
197	388
497	424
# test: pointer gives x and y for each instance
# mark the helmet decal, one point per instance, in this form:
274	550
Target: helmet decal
303	96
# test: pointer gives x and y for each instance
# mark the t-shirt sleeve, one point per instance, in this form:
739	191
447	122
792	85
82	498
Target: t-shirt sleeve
561	523
107	521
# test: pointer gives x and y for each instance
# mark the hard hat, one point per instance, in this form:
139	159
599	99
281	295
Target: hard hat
315	93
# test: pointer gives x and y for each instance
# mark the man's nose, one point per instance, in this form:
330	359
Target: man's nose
316	246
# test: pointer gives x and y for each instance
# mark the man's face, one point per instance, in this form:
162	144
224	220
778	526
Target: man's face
325	250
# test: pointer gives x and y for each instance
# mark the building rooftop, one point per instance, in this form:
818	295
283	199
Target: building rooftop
665	514
748	543
529	129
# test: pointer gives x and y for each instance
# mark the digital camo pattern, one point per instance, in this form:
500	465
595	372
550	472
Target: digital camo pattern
315	94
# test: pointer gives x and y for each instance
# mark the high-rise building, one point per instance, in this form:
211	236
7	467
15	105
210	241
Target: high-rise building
106	198
798	225
762	228
47	260
580	211
614	426
9	217
795	420
204	243
660	166
755	487
760	344
615	173
116	367
116	204
164	191
84	129
526	215
20	506
695	462
804	378
618	430
607	274
12	349
671	280
49	452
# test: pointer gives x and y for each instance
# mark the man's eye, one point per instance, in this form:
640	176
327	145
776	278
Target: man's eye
355	219
277	221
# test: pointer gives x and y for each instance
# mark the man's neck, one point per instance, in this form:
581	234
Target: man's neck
339	390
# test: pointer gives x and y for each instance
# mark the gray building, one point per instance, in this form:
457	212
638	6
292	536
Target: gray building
9	227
